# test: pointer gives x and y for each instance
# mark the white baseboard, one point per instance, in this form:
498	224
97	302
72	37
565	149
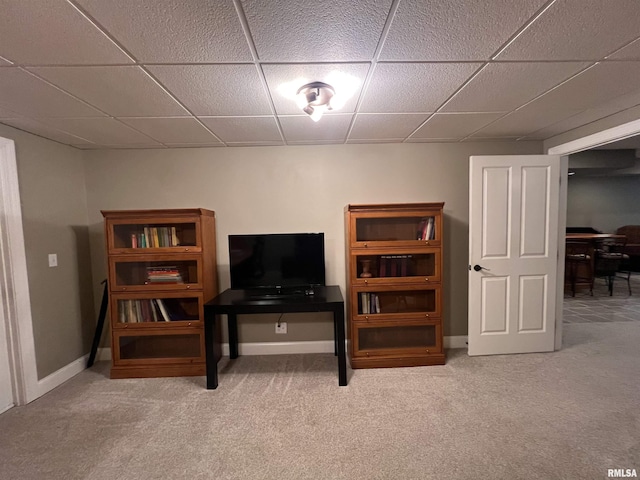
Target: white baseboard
57	378
457	341
282	348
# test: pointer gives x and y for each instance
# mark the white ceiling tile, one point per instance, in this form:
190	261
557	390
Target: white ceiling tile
194	145
244	129
53	32
603	82
454	125
619	104
385	125
29	96
506	86
213	90
432	140
163	31
330	128
327	31
433	30
413	87
8	113
577	30
524	121
119	91
629	52
103	131
172	130
37	128
285	80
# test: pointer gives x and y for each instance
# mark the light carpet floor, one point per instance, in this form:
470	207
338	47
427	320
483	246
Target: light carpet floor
571	414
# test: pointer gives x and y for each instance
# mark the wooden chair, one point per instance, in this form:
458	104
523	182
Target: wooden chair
579	264
610	261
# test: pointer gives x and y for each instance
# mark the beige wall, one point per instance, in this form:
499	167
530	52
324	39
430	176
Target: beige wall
54	214
604	203
295	189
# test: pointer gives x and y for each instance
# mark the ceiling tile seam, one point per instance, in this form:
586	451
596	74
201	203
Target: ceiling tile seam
606	57
437	110
533	100
582	125
6	60
376	56
47	138
101	29
256	60
60	89
175	99
523	28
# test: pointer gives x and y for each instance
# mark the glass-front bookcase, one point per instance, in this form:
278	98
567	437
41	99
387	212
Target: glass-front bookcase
394	277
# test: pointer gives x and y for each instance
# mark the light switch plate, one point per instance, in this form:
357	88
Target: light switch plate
53	260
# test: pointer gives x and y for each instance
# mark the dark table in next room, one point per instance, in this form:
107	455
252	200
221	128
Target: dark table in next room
235	302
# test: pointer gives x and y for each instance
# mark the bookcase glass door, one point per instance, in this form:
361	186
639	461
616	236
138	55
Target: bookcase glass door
141	347
164	235
397	302
390	337
396	229
165	272
152	310
407	265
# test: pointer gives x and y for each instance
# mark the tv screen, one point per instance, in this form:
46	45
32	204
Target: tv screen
286	261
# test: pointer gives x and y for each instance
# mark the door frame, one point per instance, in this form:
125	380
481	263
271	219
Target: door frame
620	132
14	285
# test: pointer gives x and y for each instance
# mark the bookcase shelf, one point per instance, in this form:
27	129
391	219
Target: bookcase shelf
162	269
394	278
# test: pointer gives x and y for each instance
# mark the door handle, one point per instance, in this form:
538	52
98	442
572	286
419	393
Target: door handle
477	268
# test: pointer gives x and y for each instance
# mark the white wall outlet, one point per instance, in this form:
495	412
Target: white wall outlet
281	327
53	260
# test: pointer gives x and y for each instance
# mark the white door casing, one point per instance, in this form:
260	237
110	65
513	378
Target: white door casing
14	286
513	235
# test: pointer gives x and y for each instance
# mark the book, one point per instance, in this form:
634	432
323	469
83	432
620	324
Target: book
163	310
174	237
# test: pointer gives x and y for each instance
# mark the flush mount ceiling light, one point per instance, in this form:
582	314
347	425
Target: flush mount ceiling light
314	99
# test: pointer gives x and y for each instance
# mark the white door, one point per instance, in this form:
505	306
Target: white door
6	387
513	244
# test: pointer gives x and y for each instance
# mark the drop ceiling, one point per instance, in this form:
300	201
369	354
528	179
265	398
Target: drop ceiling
175	73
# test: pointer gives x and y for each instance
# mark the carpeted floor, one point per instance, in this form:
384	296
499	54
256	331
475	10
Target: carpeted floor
571	414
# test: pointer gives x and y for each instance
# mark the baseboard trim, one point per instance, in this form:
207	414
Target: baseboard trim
57	378
283	348
456	341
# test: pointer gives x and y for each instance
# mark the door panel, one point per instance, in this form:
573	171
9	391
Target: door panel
513	206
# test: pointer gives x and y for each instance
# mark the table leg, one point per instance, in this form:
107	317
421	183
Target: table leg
338	320
232	323
209	340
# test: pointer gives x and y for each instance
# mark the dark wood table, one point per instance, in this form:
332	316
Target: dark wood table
234	302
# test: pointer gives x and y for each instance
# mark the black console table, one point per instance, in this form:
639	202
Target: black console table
234	302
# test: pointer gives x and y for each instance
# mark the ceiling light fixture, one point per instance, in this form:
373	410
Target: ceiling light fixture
315	98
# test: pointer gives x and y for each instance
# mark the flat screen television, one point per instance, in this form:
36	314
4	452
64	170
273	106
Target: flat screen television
279	263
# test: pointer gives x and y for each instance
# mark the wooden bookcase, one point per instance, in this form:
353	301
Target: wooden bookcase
394	283
161	271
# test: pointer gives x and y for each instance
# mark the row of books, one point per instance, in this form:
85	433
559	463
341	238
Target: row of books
155	237
150	310
164	275
369	303
426	229
395	265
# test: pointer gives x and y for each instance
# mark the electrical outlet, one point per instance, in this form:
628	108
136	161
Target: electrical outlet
281	327
53	260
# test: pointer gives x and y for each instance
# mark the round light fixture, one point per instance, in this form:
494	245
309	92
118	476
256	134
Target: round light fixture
315	98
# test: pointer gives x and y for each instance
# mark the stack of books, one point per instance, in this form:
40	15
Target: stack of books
165	275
